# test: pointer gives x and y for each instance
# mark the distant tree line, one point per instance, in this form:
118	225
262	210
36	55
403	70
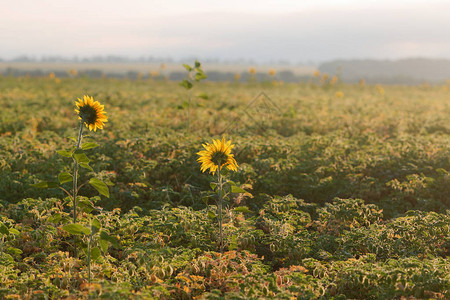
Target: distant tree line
404	71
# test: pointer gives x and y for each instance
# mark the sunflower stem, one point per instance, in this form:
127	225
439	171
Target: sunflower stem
75	174
220	210
189	111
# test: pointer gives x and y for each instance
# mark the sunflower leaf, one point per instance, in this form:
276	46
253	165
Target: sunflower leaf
64	177
4	229
80	157
76	229
109	182
14	231
106	237
64	153
89	145
95	253
104	245
186	84
100	186
187	67
86	166
200	75
242	209
95	226
211	215
236	189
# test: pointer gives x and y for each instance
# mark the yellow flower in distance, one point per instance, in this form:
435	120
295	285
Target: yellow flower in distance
91	113
217	154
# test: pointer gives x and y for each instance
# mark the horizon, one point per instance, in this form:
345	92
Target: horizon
169	60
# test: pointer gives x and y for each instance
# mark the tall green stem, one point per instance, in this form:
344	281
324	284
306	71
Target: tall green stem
89	258
75	175
220	210
189	112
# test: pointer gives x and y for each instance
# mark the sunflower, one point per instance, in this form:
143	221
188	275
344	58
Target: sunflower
217	154
91	113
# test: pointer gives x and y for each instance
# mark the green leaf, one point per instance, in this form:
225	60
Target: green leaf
186	84
65	177
242	209
109	182
95	226
213	185
14	251
54	218
86	205
4	229
200	75
64	153
203	96
80	157
185	104
45	185
100	186
211	215
106	237
89	145
86	166
104	245
236	189
187	67
14	231
76	229
233	244
95	253
197	64
8	257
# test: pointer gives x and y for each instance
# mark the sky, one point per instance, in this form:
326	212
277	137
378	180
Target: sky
296	31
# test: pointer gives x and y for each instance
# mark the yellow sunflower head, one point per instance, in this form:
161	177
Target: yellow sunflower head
91	113
217	154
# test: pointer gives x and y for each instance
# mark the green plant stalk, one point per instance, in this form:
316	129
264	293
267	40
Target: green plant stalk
89	258
75	174
189	112
220	210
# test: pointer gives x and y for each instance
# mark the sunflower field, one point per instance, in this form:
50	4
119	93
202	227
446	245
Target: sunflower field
332	191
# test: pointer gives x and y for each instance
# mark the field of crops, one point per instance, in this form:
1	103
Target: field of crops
348	191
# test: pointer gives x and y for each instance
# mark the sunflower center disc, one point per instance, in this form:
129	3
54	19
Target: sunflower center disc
88	114
219	158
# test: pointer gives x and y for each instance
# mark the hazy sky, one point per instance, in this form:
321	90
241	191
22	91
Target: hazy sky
261	30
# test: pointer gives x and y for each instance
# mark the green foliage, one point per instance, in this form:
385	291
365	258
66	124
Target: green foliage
350	195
